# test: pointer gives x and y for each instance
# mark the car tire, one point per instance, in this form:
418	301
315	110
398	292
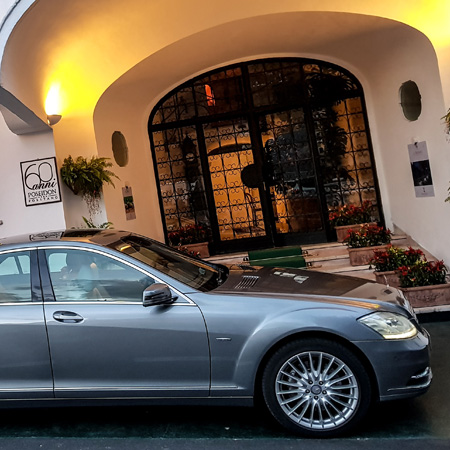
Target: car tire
316	388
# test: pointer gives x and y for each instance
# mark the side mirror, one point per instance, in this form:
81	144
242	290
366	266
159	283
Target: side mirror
157	294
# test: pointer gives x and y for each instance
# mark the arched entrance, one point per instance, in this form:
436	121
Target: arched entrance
258	152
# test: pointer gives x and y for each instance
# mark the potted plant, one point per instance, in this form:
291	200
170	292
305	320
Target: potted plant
192	239
362	242
87	178
347	217
387	262
424	283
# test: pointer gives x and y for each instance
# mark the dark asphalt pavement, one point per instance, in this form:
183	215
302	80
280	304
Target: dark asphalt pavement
409	424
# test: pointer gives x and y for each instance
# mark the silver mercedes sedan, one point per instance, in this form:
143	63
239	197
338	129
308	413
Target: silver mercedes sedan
105	317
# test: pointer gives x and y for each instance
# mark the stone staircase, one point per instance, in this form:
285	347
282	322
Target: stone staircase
333	258
328	257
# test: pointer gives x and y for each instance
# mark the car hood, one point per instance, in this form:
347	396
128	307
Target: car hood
296	283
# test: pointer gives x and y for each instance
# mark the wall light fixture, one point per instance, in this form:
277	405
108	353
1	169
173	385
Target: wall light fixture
53	119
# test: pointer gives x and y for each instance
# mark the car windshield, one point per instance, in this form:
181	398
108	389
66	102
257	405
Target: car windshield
194	272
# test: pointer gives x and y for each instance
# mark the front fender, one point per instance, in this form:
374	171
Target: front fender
241	335
335	324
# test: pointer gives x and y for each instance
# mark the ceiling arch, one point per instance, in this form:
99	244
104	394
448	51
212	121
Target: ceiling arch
83	47
356	41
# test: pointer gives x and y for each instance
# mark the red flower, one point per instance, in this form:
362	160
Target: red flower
351	214
423	273
368	236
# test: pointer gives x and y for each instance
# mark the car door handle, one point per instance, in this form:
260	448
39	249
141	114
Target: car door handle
67	317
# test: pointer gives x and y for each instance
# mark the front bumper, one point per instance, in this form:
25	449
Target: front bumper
402	368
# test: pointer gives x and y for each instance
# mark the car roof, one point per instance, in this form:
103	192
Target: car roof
89	235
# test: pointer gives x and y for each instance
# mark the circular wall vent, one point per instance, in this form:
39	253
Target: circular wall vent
120	148
411	100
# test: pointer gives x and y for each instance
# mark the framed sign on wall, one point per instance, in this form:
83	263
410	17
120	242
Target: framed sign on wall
421	170
40	181
128	201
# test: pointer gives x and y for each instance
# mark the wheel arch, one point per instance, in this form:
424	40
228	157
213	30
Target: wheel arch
318	334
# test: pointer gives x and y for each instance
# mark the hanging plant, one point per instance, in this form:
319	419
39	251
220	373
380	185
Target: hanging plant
86	178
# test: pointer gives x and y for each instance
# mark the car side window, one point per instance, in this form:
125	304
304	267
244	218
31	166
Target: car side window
15	281
80	275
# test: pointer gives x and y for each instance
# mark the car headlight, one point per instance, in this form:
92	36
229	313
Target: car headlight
390	325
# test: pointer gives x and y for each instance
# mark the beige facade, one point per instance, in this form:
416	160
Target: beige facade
107	64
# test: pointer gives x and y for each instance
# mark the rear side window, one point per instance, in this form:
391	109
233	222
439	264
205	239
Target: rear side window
15	281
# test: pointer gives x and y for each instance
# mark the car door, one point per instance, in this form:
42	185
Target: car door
25	371
105	343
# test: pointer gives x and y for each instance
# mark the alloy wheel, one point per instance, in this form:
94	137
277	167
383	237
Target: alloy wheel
317	390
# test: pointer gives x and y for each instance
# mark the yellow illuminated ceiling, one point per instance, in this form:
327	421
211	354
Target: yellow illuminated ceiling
432	17
81	47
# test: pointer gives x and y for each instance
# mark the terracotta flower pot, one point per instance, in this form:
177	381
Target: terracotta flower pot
390	278
342	230
421	296
361	256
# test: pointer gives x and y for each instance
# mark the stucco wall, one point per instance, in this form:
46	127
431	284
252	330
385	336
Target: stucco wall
75	136
422	218
5	5
17	218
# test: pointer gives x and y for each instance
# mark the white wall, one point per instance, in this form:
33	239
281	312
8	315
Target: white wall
422	218
10	13
74	135
138	174
5	5
17	218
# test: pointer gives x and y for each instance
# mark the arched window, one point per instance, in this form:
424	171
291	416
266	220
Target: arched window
258	152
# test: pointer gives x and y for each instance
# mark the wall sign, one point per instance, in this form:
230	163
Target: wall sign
421	170
40	181
128	202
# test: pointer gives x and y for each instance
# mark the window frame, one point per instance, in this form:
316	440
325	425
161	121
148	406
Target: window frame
35	284
47	286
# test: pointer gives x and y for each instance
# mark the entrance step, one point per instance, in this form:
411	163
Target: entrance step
229	258
290	257
334	258
331	257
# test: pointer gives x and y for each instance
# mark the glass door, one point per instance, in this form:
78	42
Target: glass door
257	153
236	179
291	174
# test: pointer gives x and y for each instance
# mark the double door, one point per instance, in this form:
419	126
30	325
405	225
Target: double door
263	182
258	152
